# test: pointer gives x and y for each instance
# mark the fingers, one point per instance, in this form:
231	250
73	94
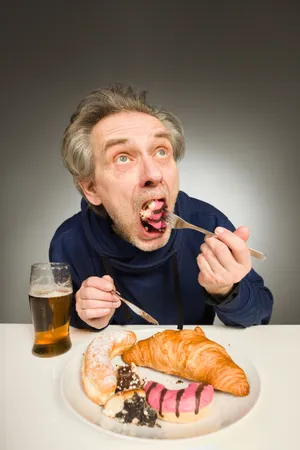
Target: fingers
104	284
243	233
205	269
224	260
95	300
89	314
235	243
91	310
94	304
219	256
96	294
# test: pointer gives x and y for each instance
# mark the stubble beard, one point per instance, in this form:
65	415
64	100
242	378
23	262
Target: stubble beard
127	230
123	230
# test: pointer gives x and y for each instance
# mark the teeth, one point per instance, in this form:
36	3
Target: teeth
146	228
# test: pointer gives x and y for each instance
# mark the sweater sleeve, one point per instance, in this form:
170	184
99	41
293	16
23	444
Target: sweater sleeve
58	253
250	304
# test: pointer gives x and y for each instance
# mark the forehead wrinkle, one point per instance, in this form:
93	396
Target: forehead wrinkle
101	136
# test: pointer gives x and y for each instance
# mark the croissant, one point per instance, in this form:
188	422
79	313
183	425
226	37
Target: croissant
190	354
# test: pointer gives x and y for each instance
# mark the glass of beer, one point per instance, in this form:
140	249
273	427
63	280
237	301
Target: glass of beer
50	295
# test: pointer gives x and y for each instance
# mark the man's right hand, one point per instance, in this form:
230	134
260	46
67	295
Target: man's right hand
95	303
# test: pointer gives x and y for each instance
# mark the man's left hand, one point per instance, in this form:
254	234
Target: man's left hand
224	260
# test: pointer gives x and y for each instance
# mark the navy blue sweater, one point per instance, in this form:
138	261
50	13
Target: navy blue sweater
89	245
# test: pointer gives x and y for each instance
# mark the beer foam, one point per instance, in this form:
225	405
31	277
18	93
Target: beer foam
49	291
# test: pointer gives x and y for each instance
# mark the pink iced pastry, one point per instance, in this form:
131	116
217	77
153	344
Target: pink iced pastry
179	405
153	213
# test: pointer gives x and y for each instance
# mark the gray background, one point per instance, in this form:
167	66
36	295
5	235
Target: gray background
229	70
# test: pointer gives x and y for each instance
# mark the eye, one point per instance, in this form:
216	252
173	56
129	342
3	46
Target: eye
161	153
122	159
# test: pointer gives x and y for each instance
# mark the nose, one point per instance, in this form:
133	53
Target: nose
151	173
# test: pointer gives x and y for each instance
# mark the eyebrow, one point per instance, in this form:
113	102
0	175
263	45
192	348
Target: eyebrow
112	142
163	134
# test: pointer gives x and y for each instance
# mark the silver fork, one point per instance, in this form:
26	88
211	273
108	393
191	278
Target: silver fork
177	222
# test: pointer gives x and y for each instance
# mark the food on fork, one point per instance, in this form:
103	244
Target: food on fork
153	214
98	374
179	405
131	407
191	355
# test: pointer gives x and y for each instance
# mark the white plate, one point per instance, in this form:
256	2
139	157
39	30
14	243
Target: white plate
225	409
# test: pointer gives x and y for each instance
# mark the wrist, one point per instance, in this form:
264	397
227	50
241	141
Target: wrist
221	291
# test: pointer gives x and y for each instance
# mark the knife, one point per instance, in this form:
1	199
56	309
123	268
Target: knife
135	308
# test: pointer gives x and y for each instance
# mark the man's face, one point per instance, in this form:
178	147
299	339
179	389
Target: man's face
134	164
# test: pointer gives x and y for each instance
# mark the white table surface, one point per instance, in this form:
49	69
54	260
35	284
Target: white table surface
34	415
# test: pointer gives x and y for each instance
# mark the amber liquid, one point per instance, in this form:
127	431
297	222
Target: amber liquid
51	320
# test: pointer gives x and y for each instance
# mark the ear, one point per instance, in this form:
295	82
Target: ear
90	191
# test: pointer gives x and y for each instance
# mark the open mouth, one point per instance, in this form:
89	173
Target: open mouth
153	215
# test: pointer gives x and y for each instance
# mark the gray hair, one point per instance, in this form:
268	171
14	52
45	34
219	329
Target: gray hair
98	104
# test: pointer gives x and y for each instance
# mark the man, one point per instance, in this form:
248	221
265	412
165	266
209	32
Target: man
122	154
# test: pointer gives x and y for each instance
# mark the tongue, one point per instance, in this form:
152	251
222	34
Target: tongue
155	205
155	216
156	225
